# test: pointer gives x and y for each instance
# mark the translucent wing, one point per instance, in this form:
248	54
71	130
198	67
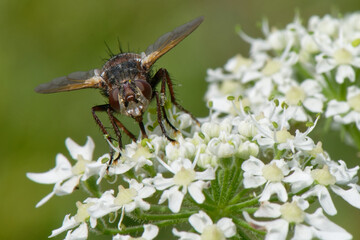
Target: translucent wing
73	81
168	41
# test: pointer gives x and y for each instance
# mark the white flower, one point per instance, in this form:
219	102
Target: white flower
184	149
202	223
339	54
331	176
81	232
186	179
308	93
225	145
135	155
256	173
127	198
150	232
283	138
307	226
67	177
348	111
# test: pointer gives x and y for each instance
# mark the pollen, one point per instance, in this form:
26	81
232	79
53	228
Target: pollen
272	173
184	177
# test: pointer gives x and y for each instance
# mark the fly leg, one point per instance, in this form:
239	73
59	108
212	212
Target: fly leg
116	125
159	106
163	76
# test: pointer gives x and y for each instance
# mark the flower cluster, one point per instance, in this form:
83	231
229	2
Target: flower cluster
313	69
247	172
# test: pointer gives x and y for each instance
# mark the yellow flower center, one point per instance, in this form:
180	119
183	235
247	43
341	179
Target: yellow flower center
323	176
125	196
342	56
317	150
82	213
184	177
212	233
272	173
292	213
295	95
354	102
283	135
271	67
79	167
141	152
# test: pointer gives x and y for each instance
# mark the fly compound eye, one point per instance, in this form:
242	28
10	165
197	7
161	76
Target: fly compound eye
114	99
145	88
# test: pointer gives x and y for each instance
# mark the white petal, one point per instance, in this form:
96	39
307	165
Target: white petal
185	235
68	223
324	198
61	171
313	104
324	64
268	210
253	166
103	205
67	187
150	231
81	233
199	221
299	179
351	117
175	198
85	151
334	108
328	229
45	199
162	183
345	71
208	174
276	230
351	195
195	191
251	181
227	227
146	192
274	188
303	232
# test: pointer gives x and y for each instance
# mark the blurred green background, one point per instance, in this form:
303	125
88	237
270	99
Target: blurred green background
41	40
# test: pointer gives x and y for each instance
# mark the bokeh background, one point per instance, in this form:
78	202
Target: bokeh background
41	40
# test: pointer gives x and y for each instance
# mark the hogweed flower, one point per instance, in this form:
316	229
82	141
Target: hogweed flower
251	170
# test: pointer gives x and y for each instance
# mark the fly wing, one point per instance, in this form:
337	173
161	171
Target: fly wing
73	81
168	41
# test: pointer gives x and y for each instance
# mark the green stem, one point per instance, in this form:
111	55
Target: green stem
234	183
91	187
354	133
133	229
225	181
242	205
238	196
241	223
171	216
